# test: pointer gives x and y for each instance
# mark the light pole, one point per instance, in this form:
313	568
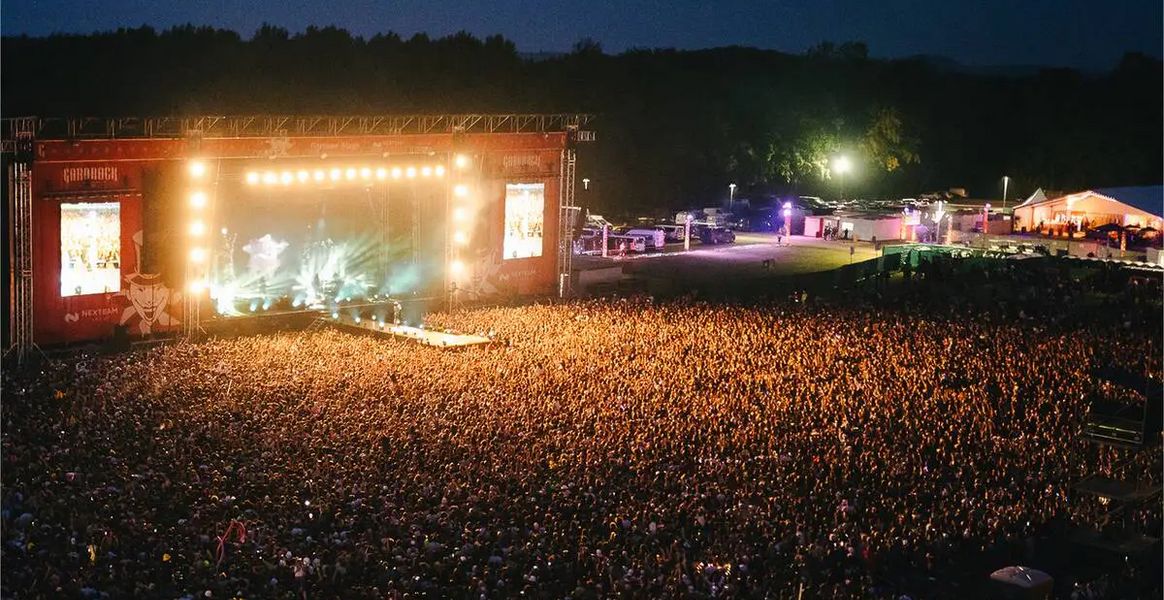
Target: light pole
1005	182
731	195
985	223
841	166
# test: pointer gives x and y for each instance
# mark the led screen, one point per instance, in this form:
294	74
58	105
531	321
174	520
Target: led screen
90	248
524	220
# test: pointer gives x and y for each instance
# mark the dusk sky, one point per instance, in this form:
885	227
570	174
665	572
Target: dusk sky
1077	33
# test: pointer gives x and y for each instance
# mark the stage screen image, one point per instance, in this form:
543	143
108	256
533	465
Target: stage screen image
524	220
90	248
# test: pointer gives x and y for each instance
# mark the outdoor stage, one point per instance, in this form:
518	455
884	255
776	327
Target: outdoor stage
147	226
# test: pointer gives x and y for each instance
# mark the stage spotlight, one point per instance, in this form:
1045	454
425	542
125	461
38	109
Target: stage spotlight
396	172
196	286
460	190
197	168
457	267
197	228
439	170
381	173
198	199
460	214
319	175
197	255
336	174
270	178
350	173
426	171
460	238
410	172
286	178
252	178
461	161
225	231
365	173
303	176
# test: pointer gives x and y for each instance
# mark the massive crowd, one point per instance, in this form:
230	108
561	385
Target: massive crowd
617	448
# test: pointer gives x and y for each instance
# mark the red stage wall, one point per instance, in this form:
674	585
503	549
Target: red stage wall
114	170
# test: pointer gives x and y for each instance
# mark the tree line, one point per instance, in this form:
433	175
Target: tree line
675	127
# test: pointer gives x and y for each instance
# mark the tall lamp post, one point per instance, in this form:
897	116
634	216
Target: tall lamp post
1005	183
841	166
731	196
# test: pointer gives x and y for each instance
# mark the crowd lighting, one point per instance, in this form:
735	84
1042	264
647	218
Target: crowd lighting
198	199
197	228
197	169
461	161
197	255
460	190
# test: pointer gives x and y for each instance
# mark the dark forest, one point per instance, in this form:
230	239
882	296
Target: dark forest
674	127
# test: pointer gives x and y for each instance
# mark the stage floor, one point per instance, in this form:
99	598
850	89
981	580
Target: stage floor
420	336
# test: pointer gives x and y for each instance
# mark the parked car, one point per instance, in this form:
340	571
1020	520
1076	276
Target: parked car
717	235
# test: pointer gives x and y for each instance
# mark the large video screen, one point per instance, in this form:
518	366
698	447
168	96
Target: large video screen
524	220
90	248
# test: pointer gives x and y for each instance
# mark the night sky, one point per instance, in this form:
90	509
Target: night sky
1077	33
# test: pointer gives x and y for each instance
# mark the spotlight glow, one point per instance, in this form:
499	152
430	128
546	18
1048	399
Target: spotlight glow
350	173
460	214
252	178
381	173
270	178
197	228
460	190
303	176
198	199
410	172
286	178
197	168
460	238
196	286
396	172
319	175
461	161
457	267
426	171
365	173
198	255
439	171
336	174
